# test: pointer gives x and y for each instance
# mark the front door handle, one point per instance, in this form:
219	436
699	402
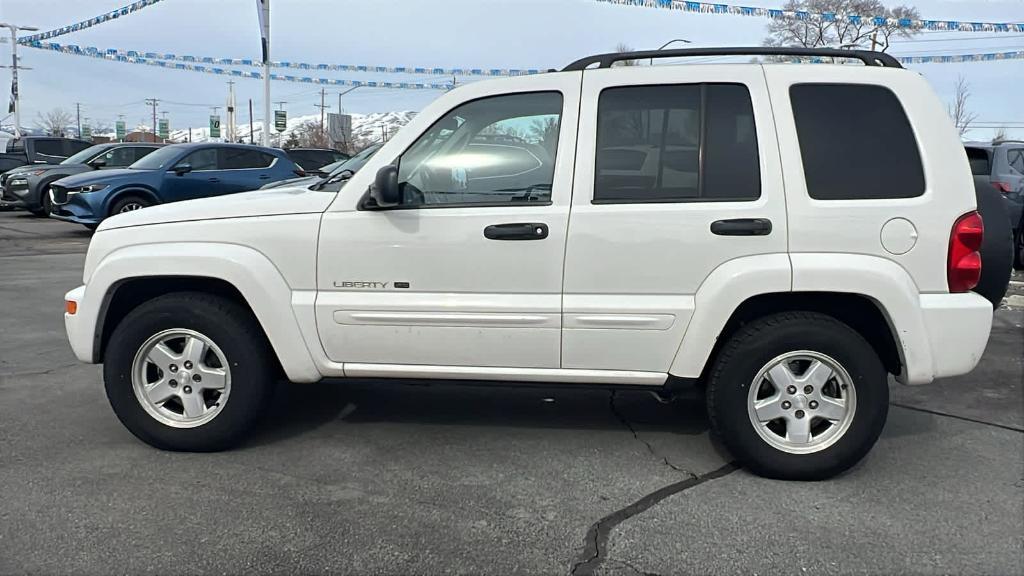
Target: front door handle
213	179
742	227
518	231
264	177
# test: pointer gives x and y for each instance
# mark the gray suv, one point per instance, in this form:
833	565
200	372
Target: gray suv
1002	163
28	187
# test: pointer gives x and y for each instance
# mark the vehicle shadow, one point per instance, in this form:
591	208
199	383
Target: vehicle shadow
299	409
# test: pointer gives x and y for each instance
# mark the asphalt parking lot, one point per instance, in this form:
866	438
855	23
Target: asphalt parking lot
399	479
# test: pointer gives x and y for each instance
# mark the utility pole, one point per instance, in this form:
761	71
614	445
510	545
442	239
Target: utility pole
153	102
263	6
78	117
322	107
15	91
874	40
119	117
250	121
231	131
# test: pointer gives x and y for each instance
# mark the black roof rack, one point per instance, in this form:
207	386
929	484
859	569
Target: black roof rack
868	57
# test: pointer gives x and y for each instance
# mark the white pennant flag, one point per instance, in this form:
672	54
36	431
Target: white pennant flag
263	8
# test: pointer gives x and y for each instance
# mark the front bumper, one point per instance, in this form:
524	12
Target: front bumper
80	326
9	197
957	327
78	208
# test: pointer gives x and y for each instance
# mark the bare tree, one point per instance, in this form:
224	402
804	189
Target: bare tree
1000	135
958	110
623	47
308	135
840	32
55	122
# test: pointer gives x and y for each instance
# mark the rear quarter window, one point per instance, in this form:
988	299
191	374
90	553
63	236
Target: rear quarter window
856	143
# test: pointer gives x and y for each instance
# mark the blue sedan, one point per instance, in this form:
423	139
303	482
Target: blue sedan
173	173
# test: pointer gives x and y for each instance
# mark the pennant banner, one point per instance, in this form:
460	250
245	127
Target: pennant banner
110	53
112	15
211	65
115	57
856	19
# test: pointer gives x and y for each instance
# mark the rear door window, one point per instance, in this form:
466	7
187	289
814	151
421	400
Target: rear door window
856	143
676	143
241	159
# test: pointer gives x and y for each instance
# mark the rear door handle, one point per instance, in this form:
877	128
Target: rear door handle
742	227
518	231
264	177
213	179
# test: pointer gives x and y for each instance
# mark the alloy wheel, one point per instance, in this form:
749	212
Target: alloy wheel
802	402
181	378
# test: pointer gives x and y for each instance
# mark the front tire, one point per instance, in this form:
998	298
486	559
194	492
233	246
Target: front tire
45	207
129	204
189	371
798	396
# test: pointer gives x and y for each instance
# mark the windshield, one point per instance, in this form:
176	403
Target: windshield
346	168
157	159
84	156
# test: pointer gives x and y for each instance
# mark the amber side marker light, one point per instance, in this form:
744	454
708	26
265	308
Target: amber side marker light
70	306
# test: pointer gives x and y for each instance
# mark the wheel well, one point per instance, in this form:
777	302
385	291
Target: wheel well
855	310
131	293
140	192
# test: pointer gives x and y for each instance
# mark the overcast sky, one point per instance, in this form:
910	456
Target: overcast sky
446	33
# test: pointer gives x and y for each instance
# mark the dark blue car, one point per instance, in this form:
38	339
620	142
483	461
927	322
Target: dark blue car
174	173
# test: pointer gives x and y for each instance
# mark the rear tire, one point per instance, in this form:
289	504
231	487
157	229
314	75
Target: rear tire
205	404
762	426
1018	248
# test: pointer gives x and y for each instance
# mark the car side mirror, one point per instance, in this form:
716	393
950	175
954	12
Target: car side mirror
98	163
384	189
182	169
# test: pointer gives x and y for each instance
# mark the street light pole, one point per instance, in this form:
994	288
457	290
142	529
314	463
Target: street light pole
15	90
665	45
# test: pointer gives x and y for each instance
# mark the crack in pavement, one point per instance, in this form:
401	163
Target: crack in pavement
595	543
956	416
40	372
627	424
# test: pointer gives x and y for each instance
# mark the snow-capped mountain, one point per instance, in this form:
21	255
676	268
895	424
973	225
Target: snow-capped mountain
366	128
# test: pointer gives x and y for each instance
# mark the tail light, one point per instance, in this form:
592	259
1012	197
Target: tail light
964	265
1003	187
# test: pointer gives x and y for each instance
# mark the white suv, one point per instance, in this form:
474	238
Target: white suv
784	235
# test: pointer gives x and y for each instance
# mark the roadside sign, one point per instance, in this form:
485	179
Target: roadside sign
86	132
339	129
163	128
119	129
280	120
214	126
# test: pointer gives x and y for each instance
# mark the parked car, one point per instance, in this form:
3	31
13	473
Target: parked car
28	187
38	150
333	173
1002	163
750	269
314	159
173	173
